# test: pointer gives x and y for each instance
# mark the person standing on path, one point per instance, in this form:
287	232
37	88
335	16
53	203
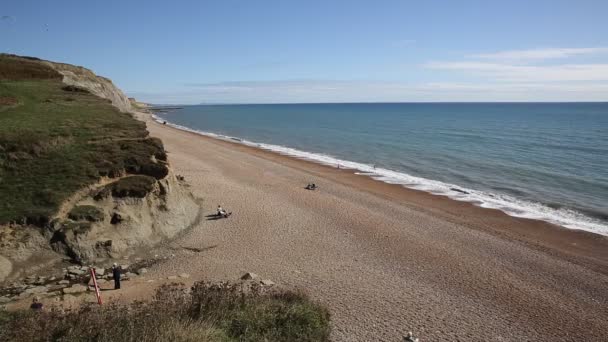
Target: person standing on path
36	305
116	276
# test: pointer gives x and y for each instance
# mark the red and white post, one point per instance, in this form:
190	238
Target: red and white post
97	293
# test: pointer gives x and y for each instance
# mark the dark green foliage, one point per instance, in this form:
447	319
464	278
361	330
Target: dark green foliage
75	89
132	156
86	213
208	313
275	316
132	186
76	228
54	142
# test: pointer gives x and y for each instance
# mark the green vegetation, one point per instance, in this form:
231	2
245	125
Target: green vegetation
86	213
75	228
54	140
25	68
207	313
132	186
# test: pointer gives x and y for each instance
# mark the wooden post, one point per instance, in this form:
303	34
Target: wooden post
97	294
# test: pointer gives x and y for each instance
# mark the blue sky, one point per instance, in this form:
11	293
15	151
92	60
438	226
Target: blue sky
324	51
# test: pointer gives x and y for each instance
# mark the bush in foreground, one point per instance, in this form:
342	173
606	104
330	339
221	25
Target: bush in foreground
209	312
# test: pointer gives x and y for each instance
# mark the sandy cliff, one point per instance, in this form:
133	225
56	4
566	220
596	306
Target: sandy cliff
97	85
120	223
115	225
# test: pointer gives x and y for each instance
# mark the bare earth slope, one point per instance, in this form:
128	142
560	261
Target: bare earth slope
382	266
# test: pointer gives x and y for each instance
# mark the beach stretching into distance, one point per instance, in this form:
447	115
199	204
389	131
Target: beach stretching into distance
386	259
304	171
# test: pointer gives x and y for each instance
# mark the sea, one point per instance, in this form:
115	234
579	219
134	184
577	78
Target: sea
546	161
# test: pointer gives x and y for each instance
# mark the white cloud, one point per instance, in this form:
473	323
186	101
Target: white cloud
528	66
518	73
590	88
314	91
489	77
539	54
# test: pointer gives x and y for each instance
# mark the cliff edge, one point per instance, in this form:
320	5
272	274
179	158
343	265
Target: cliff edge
80	176
98	85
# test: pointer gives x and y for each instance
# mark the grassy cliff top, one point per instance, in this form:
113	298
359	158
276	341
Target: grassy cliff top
56	139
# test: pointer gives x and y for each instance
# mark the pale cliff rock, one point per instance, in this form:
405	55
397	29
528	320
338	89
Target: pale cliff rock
163	213
100	86
128	222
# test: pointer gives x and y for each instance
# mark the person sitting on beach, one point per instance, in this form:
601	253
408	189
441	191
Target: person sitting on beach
312	186
221	212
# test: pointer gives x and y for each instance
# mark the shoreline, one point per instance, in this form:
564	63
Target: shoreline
519	208
576	245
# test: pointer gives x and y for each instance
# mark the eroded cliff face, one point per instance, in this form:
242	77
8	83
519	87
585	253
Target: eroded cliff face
110	219
97	85
105	223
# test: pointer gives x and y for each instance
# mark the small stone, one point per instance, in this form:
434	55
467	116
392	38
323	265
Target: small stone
267	282
142	270
63	282
36	289
100	271
76	272
53	288
40	280
250	276
4	299
124	267
76	288
53	278
184	275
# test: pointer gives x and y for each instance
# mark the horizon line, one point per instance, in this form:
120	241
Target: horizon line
373	102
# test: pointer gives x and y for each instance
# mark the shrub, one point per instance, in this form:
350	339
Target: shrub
175	315
86	213
75	89
133	186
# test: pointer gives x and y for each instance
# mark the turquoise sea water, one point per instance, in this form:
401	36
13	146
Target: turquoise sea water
536	160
